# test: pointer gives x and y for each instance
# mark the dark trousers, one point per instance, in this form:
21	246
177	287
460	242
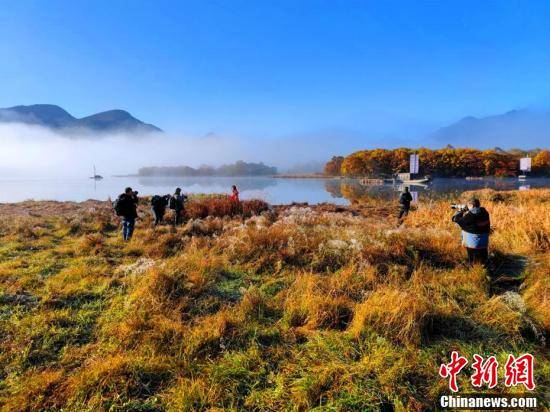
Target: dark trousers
158	214
128	224
178	217
477	256
404	211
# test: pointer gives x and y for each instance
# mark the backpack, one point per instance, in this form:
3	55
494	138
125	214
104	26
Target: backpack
173	203
118	205
155	200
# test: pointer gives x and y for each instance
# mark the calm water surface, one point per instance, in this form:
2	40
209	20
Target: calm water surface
275	191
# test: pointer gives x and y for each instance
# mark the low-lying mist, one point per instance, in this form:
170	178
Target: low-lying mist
35	151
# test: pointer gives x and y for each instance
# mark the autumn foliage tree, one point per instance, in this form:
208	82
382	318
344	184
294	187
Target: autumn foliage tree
541	163
334	165
447	162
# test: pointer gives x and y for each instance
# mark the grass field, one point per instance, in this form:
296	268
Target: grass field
296	309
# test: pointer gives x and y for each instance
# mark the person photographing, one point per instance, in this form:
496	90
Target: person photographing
475	223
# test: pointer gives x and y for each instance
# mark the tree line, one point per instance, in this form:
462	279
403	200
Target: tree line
239	168
447	162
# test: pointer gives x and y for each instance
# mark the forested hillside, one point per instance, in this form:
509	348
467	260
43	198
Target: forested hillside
448	162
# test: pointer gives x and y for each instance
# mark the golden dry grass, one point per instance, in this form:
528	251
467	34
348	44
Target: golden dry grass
296	309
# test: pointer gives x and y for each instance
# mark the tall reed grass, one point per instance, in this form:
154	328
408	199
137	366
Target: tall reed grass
296	308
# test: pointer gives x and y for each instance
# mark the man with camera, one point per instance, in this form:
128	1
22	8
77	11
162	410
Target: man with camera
476	225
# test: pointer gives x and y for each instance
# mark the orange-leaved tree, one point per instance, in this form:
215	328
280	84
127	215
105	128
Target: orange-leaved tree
541	163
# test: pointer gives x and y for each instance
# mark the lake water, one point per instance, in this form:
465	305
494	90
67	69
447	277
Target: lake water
273	190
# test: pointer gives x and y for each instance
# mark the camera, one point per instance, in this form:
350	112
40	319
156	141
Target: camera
457	206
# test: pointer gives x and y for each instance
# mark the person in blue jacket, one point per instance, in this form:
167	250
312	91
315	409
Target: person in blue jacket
475	223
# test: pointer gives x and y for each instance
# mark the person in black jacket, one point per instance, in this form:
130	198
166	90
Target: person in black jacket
127	208
177	204
405	201
475	223
158	206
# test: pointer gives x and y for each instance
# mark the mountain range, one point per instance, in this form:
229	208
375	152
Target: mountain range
55	117
516	128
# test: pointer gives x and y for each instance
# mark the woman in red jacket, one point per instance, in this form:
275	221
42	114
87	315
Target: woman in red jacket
234	194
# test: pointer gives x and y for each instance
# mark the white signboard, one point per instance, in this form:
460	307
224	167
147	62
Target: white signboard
414	196
525	164
414	164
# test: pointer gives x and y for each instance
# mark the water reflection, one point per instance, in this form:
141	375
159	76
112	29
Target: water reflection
273	190
353	190
244	183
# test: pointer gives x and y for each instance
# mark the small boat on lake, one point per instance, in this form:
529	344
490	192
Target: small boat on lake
96	176
410	179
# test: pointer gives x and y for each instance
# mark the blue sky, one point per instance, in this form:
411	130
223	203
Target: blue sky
278	68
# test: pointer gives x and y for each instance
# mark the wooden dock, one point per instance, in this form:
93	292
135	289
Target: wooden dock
371	182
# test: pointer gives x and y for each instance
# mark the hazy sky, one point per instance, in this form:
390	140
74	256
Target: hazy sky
277	68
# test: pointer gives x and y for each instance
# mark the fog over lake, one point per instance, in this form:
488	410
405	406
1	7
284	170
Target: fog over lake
273	190
42	164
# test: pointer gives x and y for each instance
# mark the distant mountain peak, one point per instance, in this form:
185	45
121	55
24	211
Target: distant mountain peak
55	117
45	107
511	129
516	112
116	119
211	136
50	114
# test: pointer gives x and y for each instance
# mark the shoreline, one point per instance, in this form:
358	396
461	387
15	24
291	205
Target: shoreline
320	176
62	209
305	176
